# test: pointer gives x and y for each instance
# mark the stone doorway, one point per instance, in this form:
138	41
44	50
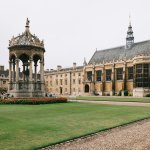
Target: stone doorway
86	88
60	90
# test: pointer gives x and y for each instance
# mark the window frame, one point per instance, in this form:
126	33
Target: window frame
108	74
119	73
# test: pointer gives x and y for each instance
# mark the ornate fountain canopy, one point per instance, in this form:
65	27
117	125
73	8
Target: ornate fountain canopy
26	39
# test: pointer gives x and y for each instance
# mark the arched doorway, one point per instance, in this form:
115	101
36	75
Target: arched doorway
60	90
86	88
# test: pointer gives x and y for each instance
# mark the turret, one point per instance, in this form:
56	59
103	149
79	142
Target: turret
130	37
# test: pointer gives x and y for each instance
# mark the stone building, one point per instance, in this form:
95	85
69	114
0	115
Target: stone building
120	70
65	81
4	78
26	59
123	69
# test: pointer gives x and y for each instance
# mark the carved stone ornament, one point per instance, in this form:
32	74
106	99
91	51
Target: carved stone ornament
26	39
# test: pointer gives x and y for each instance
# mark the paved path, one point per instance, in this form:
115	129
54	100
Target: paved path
113	103
135	136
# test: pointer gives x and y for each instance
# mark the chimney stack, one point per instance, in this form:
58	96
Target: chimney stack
59	67
74	65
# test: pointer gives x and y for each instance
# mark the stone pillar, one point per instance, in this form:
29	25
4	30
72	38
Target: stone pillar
103	81
23	72
134	76
35	72
30	76
93	80
10	75
42	74
17	70
13	71
124	80
17	74
30	71
41	71
113	79
124	77
35	75
10	71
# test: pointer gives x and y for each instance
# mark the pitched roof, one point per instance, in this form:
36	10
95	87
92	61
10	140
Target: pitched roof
121	52
65	69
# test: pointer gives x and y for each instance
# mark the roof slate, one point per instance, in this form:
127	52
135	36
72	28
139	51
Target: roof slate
65	69
121	52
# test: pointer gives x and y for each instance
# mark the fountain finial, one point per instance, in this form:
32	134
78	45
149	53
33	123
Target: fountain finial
27	22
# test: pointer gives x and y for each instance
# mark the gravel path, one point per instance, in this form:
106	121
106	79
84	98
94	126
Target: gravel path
135	136
113	103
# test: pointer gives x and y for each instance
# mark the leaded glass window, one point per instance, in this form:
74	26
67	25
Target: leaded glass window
98	75
108	75
130	73
142	75
89	75
119	73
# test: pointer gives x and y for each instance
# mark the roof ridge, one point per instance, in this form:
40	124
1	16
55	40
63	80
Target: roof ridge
121	46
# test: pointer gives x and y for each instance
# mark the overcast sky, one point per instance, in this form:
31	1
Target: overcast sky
73	29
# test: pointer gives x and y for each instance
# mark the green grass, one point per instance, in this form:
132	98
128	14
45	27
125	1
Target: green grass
117	99
25	127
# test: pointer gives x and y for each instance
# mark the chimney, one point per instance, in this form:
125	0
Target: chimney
74	65
2	68
58	67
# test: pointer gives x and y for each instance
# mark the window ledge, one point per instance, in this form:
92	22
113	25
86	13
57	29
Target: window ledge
130	80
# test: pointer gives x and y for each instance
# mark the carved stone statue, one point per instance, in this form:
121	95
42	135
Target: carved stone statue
27	22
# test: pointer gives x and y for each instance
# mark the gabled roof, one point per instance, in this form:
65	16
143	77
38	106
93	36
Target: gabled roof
121	52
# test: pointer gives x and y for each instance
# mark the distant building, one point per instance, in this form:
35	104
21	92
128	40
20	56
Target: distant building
4	78
65	81
123	70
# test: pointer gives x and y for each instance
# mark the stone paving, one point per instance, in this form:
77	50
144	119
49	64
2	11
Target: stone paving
113	103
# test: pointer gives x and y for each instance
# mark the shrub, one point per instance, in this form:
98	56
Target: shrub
96	94
107	94
147	95
130	94
119	94
33	101
125	92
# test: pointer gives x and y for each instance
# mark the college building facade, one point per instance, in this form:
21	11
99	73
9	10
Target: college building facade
65	81
4	79
123	70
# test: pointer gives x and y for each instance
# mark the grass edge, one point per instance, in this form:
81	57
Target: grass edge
89	134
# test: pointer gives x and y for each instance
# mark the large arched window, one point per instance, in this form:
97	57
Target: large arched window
141	75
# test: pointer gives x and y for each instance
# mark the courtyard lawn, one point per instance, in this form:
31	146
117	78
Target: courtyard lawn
26	127
115	98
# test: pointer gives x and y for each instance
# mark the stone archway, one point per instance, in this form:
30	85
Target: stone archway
87	89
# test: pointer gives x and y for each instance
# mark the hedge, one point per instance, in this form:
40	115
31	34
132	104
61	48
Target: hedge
33	101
